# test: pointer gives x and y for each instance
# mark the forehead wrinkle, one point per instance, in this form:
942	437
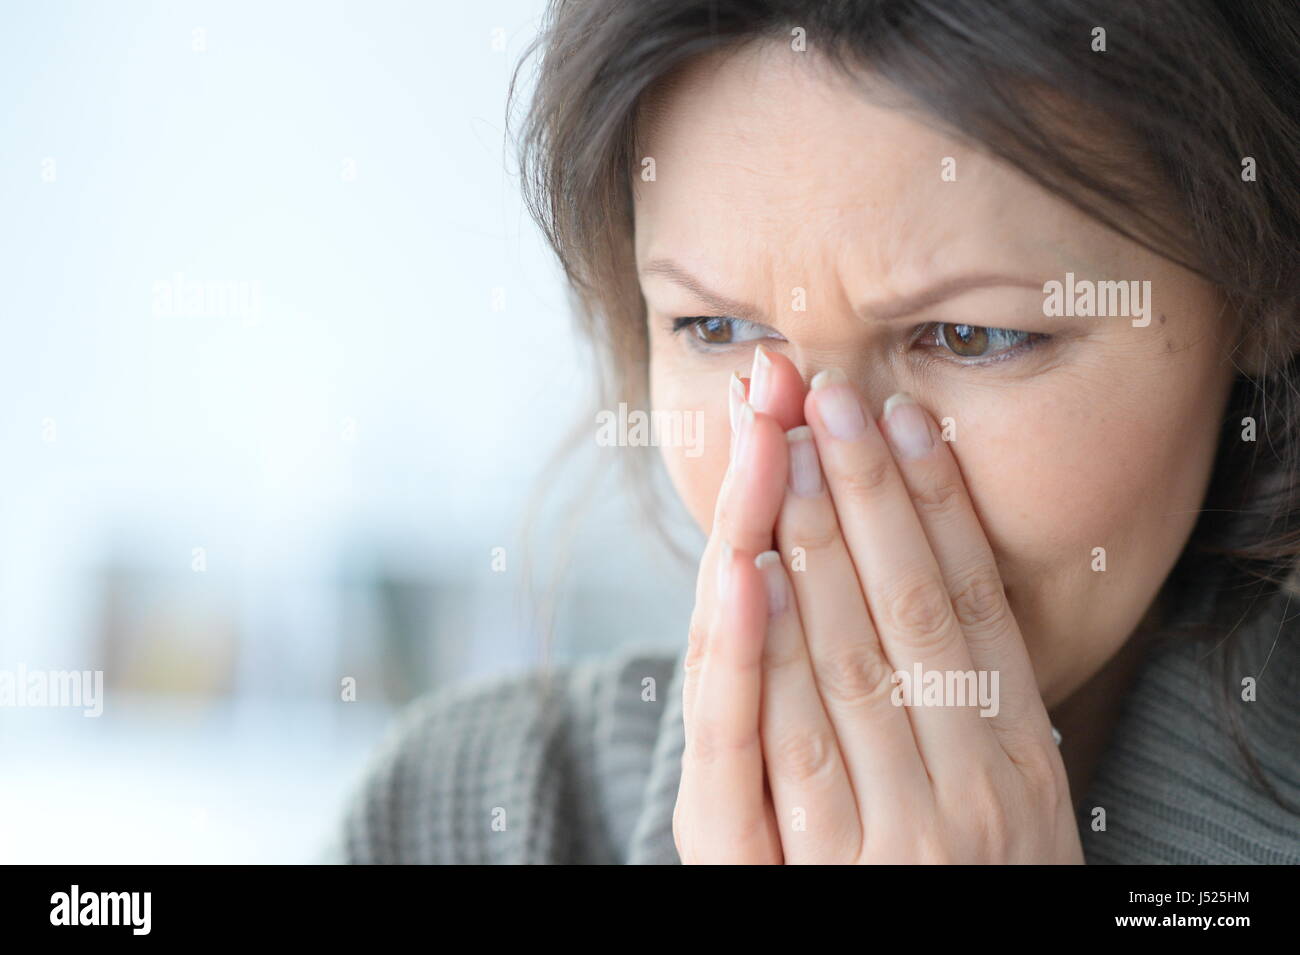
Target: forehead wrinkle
771	203
872	254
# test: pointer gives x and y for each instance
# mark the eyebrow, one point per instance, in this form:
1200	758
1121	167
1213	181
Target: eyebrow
884	310
679	276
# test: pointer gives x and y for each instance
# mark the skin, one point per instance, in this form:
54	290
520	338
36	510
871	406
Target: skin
775	173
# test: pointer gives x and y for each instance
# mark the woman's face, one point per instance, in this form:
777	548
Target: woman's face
780	186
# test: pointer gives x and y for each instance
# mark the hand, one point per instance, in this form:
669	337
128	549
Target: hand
795	748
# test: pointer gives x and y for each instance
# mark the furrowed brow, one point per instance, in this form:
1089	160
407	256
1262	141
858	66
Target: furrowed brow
882	311
723	305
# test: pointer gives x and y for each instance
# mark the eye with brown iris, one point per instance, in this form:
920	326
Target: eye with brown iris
967	341
715	331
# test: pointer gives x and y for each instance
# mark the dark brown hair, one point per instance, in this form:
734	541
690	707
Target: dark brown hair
1197	89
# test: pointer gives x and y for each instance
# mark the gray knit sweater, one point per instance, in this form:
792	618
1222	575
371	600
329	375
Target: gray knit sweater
584	767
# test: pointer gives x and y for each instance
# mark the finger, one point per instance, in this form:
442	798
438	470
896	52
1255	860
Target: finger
754	485
745	513
904	589
722	803
852	674
814	803
751	491
777	391
947	514
776	388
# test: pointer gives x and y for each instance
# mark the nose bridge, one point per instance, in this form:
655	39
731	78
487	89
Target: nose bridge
825	330
863	361
835	336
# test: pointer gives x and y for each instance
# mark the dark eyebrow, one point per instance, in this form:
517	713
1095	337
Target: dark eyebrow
882	311
725	306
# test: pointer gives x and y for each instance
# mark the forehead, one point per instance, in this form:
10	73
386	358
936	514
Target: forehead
765	155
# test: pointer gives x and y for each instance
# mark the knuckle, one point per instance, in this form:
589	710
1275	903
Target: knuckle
1037	767
802	756
922	612
777	659
735	522
868	478
814	535
987	821
724	515
858	677
936	498
751	833
978	600
708	743
697	641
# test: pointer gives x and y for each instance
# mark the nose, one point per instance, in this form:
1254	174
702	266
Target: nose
867	366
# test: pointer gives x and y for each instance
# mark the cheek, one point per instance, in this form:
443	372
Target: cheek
696	476
1088	471
1094	468
1046	496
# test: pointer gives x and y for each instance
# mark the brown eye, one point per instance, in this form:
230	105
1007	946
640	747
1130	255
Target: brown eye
714	331
966	341
978	344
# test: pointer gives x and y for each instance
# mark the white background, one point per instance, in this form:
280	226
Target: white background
376	417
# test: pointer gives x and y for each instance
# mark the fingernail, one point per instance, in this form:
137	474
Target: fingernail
805	469
744	426
907	428
759	379
838	405
769	563
827	377
735	398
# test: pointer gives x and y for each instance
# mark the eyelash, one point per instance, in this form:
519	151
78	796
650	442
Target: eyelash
931	331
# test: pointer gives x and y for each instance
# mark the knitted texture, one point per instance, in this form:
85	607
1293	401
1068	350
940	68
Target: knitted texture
1175	786
583	767
534	769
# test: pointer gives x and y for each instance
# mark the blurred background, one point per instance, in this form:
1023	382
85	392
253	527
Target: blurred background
283	360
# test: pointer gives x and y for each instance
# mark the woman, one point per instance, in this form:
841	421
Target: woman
991	311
